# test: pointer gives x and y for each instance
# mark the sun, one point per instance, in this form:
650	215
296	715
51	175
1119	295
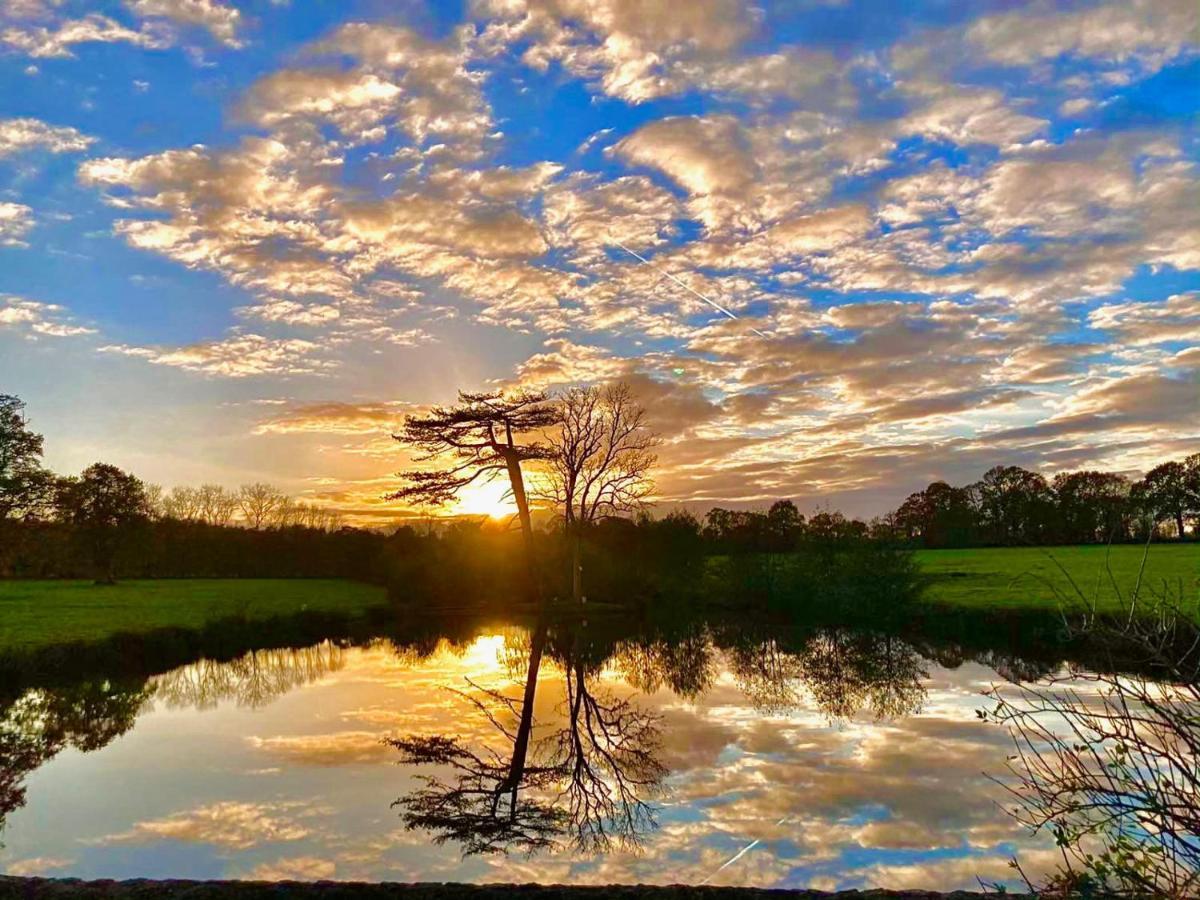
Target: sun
491	499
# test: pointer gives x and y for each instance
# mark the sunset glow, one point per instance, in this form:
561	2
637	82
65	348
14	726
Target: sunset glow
836	249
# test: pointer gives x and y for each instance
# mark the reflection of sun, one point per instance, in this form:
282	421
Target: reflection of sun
489	499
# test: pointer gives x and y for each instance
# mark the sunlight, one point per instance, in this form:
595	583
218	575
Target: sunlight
491	499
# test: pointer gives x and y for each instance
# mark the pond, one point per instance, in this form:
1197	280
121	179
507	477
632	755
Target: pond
770	754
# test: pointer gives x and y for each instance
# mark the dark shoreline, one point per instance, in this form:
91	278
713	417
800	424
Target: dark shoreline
54	889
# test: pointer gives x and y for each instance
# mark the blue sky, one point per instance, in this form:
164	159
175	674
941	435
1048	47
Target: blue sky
239	240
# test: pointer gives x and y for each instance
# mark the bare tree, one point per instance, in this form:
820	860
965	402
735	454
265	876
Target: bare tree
1109	763
182	503
258	503
217	505
602	456
478	439
591	779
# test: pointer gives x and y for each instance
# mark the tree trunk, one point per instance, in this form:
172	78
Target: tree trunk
1179	522
576	565
516	769
517	482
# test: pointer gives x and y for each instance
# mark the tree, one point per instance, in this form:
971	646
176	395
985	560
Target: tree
1164	492
25	486
217	505
941	515
182	503
602	453
1092	506
1108	762
103	504
478	439
258	503
1014	504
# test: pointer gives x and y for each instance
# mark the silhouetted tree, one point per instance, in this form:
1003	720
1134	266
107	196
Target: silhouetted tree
940	515
479	439
1092	506
103	505
1166	493
258	503
602	453
1014	504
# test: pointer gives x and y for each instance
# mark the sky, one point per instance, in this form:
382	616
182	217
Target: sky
239	241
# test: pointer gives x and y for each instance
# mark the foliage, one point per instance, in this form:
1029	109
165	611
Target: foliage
1011	506
103	505
1109	762
25	486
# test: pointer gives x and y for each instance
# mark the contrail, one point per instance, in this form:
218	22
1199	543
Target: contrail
690	290
750	846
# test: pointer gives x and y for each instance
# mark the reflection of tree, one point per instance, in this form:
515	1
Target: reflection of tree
588	780
687	666
253	680
39	724
607	754
844	671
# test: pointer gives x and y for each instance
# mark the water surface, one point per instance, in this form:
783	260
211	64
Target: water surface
834	759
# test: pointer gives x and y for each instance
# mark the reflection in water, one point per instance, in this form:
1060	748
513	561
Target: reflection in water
588	779
252	680
40	724
638	752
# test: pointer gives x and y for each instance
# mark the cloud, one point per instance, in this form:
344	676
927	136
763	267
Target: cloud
635	51
16	220
220	19
1148	31
1146	323
342	748
36	865
56	41
237	356
36	319
335	418
231	825
400	78
21	135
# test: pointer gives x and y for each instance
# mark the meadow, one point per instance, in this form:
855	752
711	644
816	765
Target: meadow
37	614
1041	577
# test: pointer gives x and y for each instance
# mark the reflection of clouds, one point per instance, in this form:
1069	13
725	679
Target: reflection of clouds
233	826
852	803
338	749
296	868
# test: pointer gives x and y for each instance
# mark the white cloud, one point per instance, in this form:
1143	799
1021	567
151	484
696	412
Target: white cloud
20	135
35	319
237	356
220	19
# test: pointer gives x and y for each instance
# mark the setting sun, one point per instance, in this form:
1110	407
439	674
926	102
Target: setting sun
492	499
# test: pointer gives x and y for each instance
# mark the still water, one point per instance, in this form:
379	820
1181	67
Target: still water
835	760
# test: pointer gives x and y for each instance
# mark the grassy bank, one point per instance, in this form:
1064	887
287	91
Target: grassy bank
36	614
1013	577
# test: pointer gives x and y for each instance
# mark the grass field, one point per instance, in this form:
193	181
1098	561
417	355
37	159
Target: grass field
35	614
1030	576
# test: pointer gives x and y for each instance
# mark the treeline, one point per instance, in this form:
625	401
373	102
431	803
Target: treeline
1011	506
730	558
106	522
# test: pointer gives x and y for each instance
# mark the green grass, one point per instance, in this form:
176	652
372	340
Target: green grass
1014	577
36	614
